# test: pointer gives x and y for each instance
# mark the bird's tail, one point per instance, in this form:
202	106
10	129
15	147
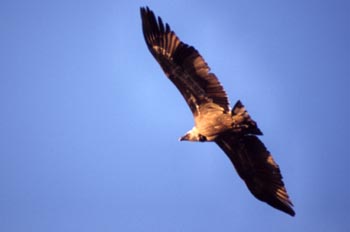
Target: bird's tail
242	122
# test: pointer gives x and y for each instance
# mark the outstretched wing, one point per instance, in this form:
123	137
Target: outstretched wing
182	63
257	168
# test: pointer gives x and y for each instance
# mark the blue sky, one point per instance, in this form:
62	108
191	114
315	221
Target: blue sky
89	123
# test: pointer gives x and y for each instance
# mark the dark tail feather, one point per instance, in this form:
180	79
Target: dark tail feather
242	120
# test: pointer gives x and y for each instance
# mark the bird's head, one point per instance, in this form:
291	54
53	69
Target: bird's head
194	136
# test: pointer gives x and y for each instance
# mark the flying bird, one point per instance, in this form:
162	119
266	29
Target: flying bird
234	131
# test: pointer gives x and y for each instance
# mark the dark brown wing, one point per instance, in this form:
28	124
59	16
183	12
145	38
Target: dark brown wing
184	66
257	168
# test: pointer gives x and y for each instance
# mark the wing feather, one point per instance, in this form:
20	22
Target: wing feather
257	168
182	63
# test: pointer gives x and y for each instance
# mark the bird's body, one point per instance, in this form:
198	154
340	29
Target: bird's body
211	122
232	130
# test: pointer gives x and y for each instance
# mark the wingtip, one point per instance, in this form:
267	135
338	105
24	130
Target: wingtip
145	10
284	205
289	211
287	208
292	213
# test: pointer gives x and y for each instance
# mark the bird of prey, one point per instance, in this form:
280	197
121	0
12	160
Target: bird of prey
234	131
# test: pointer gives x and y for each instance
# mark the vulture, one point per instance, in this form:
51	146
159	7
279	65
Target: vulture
233	130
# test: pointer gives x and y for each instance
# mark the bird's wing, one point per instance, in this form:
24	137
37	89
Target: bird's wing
182	63
257	168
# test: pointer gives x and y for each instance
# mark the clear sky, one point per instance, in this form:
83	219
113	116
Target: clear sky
89	124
